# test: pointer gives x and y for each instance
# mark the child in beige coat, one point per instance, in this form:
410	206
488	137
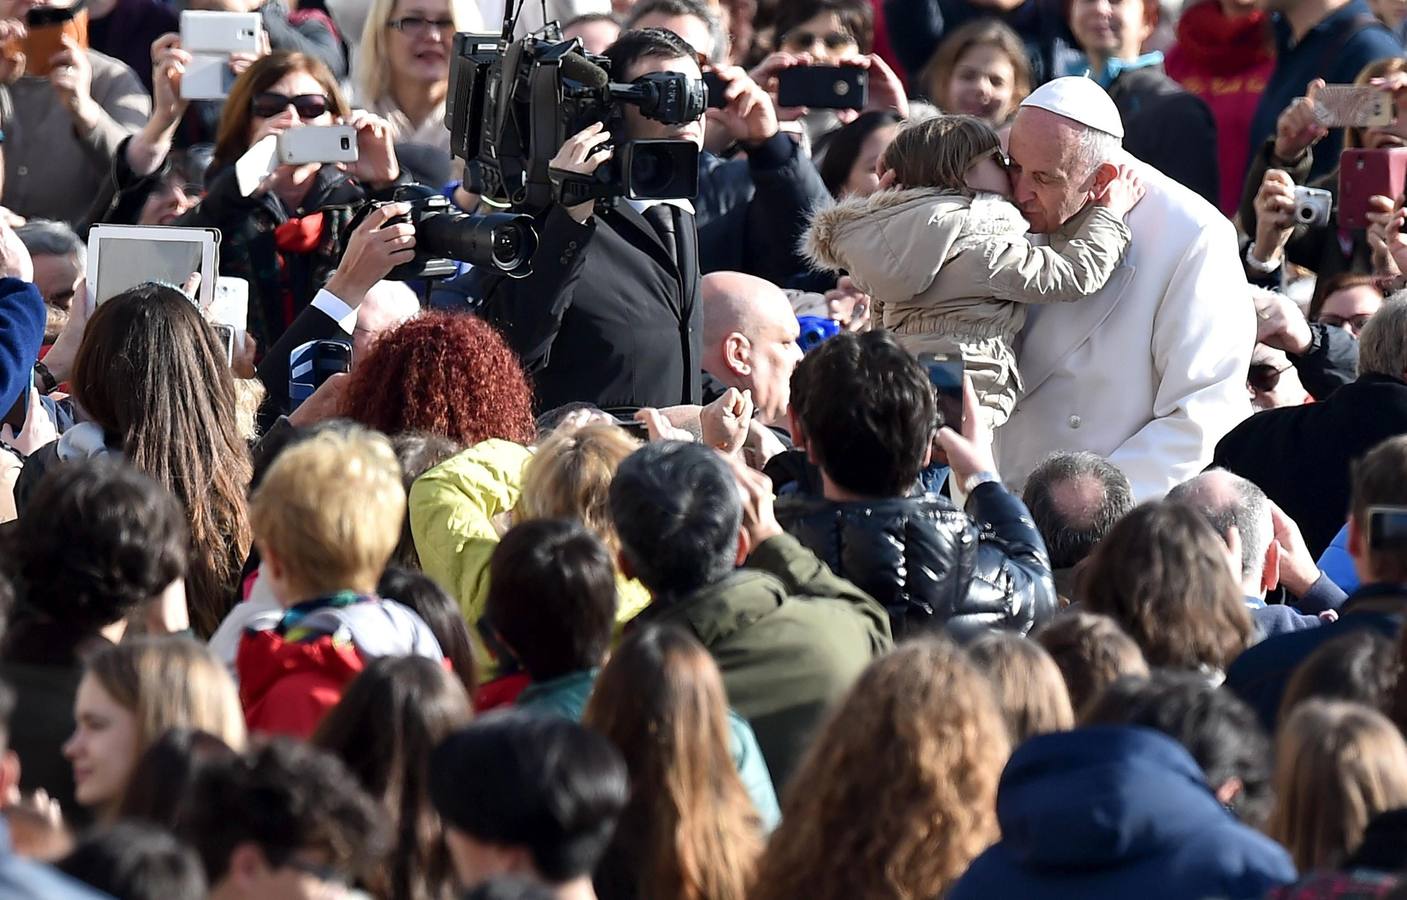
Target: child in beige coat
944	253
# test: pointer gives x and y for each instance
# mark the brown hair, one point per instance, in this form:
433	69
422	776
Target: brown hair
1326	288
1336	766
1027	684
1378	480
237	117
1092	652
689	831
937	152
1162	574
937	74
897	793
150	371
1361	666
167	683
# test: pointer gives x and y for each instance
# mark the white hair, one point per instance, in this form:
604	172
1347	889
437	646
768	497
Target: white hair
1093	148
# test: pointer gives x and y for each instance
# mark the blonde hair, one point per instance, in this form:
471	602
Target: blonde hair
897	794
373	59
1027	684
330	508
1336	766
170	682
938	152
569	477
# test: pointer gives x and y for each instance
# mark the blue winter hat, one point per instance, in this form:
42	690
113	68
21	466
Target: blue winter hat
22	318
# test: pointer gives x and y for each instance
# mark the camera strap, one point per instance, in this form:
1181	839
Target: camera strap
573	188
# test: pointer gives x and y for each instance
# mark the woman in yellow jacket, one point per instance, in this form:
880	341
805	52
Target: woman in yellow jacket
459	509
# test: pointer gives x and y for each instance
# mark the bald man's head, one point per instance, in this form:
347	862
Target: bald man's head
1229	501
749	337
386	305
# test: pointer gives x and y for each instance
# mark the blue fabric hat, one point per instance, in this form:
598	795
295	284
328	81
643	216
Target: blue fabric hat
22	318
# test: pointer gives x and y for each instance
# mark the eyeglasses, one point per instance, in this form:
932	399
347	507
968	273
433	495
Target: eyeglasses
417	27
800	39
1264	377
308	106
1352	323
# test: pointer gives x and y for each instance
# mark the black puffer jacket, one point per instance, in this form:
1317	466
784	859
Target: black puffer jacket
931	564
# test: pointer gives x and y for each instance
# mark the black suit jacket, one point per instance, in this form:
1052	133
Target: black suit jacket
1300	455
605	317
312	324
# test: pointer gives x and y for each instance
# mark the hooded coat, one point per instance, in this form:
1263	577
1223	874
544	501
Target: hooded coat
1112	812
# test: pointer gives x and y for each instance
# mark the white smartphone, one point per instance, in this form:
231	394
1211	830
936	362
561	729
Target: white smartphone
208	77
230	308
120	257
220	32
317	144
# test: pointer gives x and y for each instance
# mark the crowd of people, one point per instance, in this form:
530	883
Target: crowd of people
995	486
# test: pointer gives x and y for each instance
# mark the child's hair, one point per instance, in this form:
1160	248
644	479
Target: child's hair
938	152
331	508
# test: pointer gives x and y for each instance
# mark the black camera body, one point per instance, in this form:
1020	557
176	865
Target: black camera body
502	241
513	105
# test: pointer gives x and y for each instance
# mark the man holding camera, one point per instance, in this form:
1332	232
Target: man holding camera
611	313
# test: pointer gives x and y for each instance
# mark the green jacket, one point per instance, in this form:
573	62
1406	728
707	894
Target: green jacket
790	638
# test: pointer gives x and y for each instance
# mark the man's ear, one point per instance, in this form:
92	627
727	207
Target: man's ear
744	547
798	437
1152	14
1270	577
737	354
1103	174
9	773
1357	546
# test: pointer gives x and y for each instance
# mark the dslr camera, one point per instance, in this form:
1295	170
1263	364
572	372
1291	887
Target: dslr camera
443	234
513	104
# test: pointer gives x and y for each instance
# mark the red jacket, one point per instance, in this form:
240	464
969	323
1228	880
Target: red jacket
1226	62
292	673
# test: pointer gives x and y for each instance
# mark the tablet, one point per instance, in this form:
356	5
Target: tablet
120	257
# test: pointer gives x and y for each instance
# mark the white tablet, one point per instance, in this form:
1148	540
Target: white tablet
120	257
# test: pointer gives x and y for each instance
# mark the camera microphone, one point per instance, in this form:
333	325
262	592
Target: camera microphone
579	68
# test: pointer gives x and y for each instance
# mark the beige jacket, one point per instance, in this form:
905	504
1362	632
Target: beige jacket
939	263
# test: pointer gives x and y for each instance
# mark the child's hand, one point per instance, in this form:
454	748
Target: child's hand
1122	193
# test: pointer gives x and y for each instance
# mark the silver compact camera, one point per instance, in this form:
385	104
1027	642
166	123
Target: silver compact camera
1312	206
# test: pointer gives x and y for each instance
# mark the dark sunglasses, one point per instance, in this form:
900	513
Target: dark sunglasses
308	106
834	40
1265	377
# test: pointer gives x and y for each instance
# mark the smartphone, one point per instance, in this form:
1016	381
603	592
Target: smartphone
715	88
317	144
227	340
311	364
637	430
823	87
219	32
1352	106
330	357
946	377
47	26
1387	528
1369	173
208	77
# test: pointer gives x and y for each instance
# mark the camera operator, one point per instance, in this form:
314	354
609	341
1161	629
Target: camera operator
751	212
611	313
1285	162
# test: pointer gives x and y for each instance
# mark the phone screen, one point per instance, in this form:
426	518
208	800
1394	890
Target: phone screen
1387	528
946	377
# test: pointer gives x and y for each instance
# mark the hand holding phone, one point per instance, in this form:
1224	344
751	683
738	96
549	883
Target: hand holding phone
970	451
946	376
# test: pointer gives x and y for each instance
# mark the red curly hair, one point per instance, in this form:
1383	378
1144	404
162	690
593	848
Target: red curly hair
447	374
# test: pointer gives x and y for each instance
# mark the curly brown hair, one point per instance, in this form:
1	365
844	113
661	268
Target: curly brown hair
897	795
444	374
